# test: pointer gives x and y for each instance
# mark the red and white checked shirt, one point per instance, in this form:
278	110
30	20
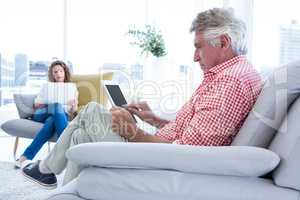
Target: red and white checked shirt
219	106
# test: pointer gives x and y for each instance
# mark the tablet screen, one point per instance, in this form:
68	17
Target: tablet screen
116	95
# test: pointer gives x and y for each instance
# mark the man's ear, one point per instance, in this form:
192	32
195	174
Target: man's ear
225	41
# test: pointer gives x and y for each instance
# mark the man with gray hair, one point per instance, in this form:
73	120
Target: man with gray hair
212	116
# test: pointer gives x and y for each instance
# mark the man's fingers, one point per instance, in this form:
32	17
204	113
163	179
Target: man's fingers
115	125
134	111
113	108
133	106
115	128
118	111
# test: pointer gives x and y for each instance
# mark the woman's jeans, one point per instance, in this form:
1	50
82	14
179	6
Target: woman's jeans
55	120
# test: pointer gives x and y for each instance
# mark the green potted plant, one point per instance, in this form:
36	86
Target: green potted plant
149	40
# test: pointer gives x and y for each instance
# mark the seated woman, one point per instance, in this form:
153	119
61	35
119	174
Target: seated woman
55	116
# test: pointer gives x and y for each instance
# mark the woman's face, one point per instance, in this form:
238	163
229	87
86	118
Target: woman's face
58	73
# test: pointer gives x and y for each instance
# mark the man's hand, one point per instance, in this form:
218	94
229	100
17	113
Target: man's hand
123	123
144	112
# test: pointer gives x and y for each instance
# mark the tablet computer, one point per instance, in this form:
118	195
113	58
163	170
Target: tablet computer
115	94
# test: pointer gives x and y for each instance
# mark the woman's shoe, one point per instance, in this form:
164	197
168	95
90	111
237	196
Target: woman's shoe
18	164
21	162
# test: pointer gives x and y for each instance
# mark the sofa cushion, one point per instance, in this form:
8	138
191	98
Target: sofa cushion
24	104
127	184
228	160
23	128
287	145
65	196
68	192
279	92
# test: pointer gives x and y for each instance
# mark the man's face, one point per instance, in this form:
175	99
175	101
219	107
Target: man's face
206	54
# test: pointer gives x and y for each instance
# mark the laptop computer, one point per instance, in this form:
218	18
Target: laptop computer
57	92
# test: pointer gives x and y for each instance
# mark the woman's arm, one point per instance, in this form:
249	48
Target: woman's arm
38	105
39	100
73	104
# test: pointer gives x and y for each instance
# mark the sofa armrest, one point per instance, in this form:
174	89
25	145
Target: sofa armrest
24	104
229	160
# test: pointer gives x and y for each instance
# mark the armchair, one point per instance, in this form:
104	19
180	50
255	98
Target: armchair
89	87
249	169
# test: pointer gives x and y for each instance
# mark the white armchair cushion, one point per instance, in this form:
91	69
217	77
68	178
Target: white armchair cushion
143	184
228	160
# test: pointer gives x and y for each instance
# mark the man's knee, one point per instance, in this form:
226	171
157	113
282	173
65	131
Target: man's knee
95	107
79	137
93	104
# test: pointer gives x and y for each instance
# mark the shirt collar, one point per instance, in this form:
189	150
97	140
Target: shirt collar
220	67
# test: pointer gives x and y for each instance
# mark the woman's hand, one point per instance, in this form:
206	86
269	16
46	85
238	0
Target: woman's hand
123	123
39	105
73	105
144	112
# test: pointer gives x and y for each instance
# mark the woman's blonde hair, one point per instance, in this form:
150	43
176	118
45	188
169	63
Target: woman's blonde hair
64	66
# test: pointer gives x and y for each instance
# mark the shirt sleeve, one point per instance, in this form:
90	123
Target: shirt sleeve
168	132
39	99
218	115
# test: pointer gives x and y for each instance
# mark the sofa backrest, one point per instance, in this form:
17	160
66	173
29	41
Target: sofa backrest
287	145
90	88
270	109
24	104
274	123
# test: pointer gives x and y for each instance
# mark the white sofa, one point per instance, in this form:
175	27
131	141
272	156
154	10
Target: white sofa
238	172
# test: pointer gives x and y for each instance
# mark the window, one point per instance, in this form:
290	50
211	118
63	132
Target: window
31	31
276	33
96	40
96	32
92	36
275	26
32	27
273	31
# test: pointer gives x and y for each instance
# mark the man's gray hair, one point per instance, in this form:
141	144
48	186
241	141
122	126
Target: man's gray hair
219	21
